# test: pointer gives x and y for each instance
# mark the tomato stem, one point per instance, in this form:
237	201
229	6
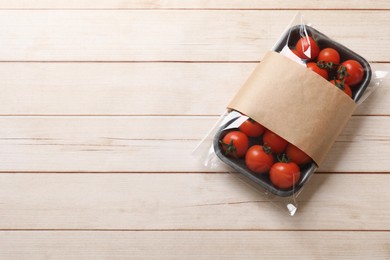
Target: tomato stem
326	65
340	84
229	148
342	72
283	158
267	149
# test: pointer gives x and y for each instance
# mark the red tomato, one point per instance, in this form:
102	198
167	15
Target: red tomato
328	55
352	71
275	142
307	48
251	128
297	155
235	144
284	175
322	72
343	86
259	159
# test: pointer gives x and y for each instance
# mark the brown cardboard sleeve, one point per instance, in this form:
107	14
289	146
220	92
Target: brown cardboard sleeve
295	103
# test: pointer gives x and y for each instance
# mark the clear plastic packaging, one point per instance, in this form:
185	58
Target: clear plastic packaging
279	126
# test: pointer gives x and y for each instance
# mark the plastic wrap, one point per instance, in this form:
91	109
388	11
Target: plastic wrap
281	123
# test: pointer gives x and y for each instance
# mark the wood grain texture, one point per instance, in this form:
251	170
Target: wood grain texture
174	35
187	201
128	89
195	4
87	129
152	144
195	245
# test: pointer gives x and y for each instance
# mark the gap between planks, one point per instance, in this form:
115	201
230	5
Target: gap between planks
145	115
162	172
154	61
195	9
193	230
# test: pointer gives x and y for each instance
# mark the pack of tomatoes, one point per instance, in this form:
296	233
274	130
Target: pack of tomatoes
277	130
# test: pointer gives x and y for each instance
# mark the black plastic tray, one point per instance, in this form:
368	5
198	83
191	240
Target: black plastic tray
289	38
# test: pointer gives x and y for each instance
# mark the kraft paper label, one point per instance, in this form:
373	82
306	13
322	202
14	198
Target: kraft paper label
295	103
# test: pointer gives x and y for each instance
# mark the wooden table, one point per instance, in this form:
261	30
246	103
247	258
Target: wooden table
102	102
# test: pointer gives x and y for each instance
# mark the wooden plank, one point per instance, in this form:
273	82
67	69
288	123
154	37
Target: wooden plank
161	156
128	88
188	201
193	245
93	130
151	144
119	88
194	4
100	130
168	35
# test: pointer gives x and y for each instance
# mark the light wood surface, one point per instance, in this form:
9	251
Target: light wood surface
176	35
194	245
126	89
103	101
189	201
155	143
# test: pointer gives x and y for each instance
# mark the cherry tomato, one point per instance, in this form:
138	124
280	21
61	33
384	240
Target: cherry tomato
284	175
307	48
275	142
322	72
352	71
343	86
328	55
252	128
235	144
297	155
259	159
